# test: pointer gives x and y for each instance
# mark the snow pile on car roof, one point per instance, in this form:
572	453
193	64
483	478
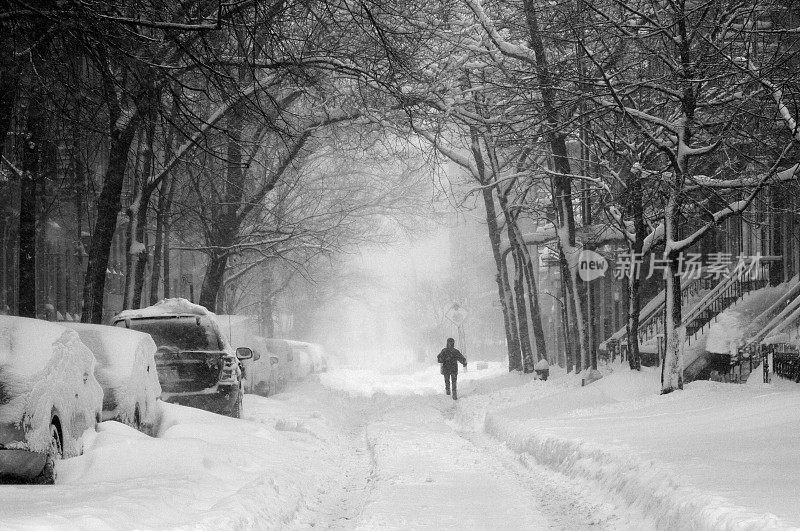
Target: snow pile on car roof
113	347
26	345
177	305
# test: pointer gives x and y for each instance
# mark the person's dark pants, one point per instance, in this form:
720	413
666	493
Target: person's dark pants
448	378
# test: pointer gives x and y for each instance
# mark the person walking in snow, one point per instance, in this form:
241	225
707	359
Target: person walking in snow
450	357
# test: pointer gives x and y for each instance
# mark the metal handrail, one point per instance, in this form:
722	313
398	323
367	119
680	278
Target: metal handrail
721	297
713	295
723	294
653	323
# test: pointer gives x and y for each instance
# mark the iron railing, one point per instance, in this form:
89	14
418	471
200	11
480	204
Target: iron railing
652	324
744	278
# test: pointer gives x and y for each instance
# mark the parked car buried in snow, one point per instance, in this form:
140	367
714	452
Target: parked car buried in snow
266	375
314	353
126	370
295	363
48	396
196	366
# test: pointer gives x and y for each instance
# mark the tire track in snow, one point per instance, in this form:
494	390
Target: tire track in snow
570	504
338	504
565	503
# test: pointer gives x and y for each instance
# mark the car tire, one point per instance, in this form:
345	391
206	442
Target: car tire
55	452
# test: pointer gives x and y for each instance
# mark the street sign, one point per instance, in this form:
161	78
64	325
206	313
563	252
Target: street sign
456	313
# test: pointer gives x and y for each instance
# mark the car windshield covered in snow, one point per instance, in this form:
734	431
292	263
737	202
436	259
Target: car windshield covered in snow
183	332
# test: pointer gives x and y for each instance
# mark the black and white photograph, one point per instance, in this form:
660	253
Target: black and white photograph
393	264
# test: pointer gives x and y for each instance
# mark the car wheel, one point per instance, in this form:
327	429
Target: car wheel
55	452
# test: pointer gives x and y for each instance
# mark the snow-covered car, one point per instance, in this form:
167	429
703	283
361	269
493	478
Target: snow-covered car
49	396
266	375
297	363
126	370
300	358
196	365
317	354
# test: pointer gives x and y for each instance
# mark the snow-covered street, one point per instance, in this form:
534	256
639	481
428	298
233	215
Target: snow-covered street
358	449
313	456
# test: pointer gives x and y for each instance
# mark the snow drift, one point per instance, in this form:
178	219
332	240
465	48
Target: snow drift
678	458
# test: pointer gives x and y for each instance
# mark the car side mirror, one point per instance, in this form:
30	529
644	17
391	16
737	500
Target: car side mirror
244	353
256	356
273	360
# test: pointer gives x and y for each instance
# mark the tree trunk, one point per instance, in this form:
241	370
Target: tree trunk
522	312
139	273
571	291
634	308
569	351
5	246
159	245
137	213
167	292
167	233
503	286
562	183
672	363
672	366
533	303
9	85
269	321
519	285
524	281
634	185
108	207
29	189
213	280
131	231
164	203
228	221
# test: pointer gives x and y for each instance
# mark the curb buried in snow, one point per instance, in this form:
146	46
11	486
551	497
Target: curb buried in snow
645	484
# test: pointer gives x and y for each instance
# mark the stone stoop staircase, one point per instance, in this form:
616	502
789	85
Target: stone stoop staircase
651	322
717	296
771	339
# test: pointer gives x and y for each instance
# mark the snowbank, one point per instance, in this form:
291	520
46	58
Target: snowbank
204	471
708	457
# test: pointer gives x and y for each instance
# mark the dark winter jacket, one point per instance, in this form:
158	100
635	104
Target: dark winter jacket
450	357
